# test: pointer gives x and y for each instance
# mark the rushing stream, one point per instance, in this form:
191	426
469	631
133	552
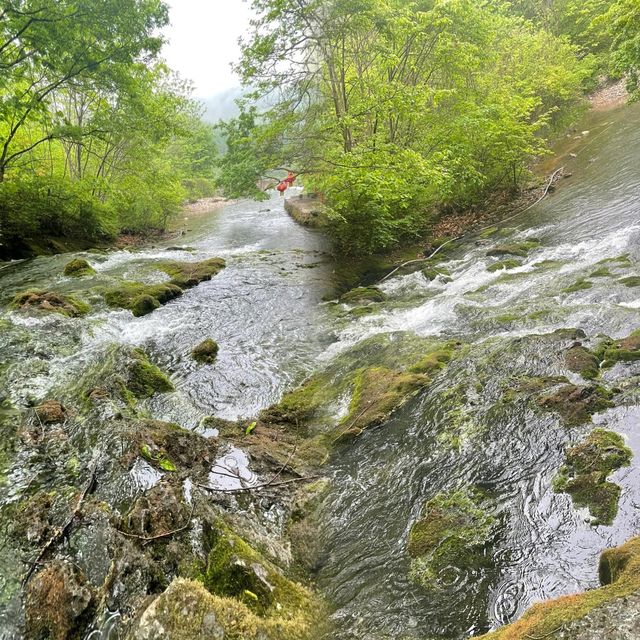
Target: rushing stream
266	312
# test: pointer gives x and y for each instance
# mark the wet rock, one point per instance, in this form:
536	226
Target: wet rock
363	294
577	404
578	285
584	475
140	299
58	602
51	301
206	352
78	268
452	532
144	378
51	412
580	360
190	274
431	273
520	249
144	304
504	265
623	350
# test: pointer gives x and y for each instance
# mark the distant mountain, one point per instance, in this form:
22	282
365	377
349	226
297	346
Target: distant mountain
222	106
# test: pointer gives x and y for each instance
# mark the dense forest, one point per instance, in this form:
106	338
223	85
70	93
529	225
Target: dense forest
399	110
97	135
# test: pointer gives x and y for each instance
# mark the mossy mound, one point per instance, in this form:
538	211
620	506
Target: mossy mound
206	352
58	602
619	573
187	611
588	465
363	294
144	379
431	273
78	268
623	350
630	281
51	301
576	404
377	392
520	249
578	285
601	272
190	274
504	264
580	360
623	260
453	531
140	298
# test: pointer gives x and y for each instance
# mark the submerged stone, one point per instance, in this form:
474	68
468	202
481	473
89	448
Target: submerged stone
631	281
585	472
504	264
51	301
78	268
206	352
453	532
576	404
520	249
578	285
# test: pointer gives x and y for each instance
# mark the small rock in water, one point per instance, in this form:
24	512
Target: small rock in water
51	412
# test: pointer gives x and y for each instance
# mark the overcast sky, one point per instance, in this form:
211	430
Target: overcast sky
203	41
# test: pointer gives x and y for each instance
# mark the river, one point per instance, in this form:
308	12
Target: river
267	312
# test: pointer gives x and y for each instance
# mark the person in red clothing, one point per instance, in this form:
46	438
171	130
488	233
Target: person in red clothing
283	185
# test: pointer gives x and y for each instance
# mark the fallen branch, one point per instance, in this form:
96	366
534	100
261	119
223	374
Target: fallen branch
444	244
61	532
206	487
167	534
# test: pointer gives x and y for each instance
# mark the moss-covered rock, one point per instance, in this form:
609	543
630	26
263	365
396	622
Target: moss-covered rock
51	412
51	301
576	404
623	350
630	281
520	249
140	298
190	274
187	611
78	268
580	360
620	574
206	352
144	379
453	531
578	285
433	272
363	294
601	272
588	465
58	602
504	264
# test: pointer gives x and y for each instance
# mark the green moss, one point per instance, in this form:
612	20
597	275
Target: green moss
621	260
577	404
144	378
377	392
51	301
363	294
602	272
435	360
206	352
504	264
520	249
358	312
578	285
431	273
623	350
584	475
580	360
190	274
453	532
158	458
78	268
620	573
140	298
631	281
548	265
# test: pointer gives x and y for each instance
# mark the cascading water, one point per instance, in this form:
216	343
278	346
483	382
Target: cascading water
266	312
